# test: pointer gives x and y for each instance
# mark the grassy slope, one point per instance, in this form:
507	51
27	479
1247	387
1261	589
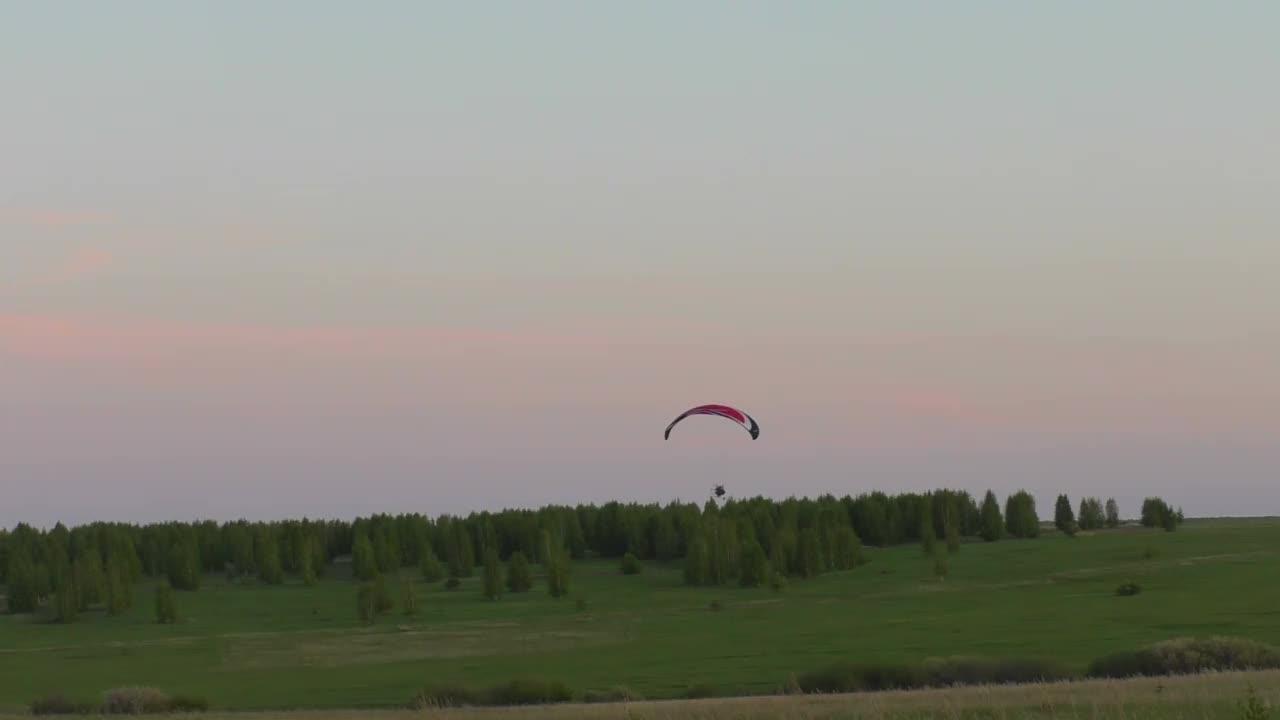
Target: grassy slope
297	646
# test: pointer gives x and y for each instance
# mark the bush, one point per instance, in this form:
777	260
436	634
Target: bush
777	581
530	691
432	569
1128	590
134	701
933	672
523	691
365	606
382	601
166	610
942	672
519	576
856	677
618	693
1185	656
445	696
452	583
630	564
59	704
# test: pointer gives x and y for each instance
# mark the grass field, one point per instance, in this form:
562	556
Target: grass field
1215	696
256	647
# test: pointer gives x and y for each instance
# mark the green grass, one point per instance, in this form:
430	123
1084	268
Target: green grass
293	646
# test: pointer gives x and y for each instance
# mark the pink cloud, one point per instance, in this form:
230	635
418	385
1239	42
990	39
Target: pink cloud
81	263
52	218
72	338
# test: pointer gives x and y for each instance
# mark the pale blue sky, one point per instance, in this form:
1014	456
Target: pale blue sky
445	256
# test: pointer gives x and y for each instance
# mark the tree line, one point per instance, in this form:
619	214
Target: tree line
749	541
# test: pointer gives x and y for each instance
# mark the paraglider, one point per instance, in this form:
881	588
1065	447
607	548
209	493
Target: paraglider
746	421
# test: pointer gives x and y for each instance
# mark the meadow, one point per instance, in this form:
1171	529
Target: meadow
249	646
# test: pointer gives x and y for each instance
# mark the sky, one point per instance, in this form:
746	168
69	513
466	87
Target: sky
325	259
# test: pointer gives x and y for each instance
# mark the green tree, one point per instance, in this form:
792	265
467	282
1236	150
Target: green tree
432	569
306	562
1020	516
697	563
755	567
166	609
363	563
1113	513
1064	518
89	578
240	538
267	551
66	600
409	597
992	521
1091	515
519	575
557	564
119	588
953	534
779	556
666	542
928	535
184	566
386	553
366	607
848	549
492	580
382	602
809	554
630	564
23	590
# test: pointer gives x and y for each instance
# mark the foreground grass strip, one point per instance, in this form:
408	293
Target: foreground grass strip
1212	695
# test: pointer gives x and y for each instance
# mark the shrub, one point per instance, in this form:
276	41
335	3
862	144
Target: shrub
777	581
382	601
432	569
630	564
856	677
1128	590
491	587
166	610
365	609
519	576
444	696
942	672
530	691
134	701
933	672
522	691
408	597
1252	708
452	583
1185	656
59	704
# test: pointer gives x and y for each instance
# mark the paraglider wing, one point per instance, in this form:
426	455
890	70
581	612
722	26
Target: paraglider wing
724	411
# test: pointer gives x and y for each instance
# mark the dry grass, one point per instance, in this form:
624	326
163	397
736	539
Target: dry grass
1200	697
